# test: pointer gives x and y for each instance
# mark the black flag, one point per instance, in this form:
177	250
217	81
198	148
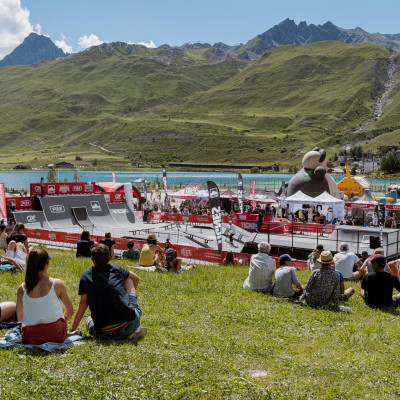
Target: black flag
164	172
240	192
215	205
144	189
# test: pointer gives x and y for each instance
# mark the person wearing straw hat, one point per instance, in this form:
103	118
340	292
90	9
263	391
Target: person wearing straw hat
323	284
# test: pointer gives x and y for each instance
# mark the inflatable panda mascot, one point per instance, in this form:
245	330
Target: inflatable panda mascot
313	179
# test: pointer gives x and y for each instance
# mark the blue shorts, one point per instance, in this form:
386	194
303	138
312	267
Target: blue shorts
131	327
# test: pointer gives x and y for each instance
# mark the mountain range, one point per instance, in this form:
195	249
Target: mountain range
119	104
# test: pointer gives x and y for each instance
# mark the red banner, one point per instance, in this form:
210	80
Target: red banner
359	205
3	204
63	188
21	203
114	197
253	194
393	206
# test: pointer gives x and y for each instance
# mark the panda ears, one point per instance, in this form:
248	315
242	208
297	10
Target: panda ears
322	154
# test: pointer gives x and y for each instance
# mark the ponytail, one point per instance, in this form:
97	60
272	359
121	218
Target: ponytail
37	260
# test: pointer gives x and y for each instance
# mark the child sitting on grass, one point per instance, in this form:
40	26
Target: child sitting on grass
131	254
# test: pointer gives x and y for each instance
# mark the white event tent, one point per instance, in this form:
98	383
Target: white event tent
324	200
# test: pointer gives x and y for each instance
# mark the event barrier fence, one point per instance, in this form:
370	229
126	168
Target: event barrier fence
188	252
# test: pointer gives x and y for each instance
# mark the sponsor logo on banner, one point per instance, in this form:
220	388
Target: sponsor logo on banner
52	236
95	205
88	188
118	196
30	218
51	189
26	203
203	219
211	256
37	189
57	209
185	218
107	197
64	189
120	211
77	188
185	252
213	193
38	234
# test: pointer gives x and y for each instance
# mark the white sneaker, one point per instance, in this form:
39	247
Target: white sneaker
140	333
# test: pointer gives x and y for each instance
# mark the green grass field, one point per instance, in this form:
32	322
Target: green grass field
210	339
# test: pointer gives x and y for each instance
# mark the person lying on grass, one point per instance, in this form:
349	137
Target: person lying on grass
110	293
231	260
39	303
174	263
377	286
323	284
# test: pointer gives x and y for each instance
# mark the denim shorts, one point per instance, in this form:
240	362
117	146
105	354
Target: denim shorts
125	332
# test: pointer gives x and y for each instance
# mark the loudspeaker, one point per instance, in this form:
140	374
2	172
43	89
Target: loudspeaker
374	242
250	248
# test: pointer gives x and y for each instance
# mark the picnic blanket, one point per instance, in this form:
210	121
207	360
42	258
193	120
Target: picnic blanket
13	339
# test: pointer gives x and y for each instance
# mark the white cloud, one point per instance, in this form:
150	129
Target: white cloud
14	25
66	48
38	29
150	45
87	41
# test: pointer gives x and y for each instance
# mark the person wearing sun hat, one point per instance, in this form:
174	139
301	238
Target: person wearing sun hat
377	287
151	254
323	284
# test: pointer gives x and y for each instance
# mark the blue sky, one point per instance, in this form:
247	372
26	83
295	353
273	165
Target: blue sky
79	23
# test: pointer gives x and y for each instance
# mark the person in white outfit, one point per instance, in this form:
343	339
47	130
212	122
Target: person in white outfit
262	270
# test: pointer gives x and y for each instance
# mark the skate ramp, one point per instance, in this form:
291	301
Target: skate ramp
123	216
82	218
32	219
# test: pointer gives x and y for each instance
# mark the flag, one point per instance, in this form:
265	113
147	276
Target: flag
144	189
253	194
240	192
283	197
113	177
3	203
164	171
215	205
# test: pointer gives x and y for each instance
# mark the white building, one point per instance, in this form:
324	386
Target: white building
371	165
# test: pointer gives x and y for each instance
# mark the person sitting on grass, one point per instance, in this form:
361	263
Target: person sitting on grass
312	262
323	284
8	311
39	303
18	236
131	254
230	259
377	286
286	278
174	263
345	261
110	293
262	270
109	243
345	294
16	255
84	245
151	254
390	267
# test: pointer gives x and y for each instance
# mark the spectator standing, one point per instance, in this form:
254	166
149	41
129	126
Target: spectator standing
232	232
262	270
42	187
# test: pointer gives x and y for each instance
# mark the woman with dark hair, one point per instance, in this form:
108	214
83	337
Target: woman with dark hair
109	243
84	245
231	260
18	236
151	254
39	303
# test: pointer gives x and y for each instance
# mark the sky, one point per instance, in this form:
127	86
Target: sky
77	24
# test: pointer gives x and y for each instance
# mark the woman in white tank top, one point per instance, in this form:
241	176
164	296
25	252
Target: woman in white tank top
39	303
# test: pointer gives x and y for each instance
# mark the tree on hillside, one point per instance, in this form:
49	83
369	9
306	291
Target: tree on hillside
51	175
390	163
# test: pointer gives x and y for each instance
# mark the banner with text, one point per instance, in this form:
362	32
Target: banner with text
63	188
3	204
240	192
215	205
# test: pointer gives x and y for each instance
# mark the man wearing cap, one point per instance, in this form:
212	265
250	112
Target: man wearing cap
344	262
262	270
377	287
323	284
286	278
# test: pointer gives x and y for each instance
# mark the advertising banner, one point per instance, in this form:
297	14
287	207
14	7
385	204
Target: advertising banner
215	205
3	204
21	203
144	189
240	192
63	188
253	194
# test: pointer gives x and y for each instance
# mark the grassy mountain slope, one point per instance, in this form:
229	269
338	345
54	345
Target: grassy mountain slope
169	104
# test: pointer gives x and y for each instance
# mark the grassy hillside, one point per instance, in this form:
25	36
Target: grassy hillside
168	104
210	339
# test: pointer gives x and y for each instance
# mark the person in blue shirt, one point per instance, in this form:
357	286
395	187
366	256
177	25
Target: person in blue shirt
344	294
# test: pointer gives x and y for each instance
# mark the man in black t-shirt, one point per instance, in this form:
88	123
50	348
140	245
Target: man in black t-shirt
110	293
377	287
